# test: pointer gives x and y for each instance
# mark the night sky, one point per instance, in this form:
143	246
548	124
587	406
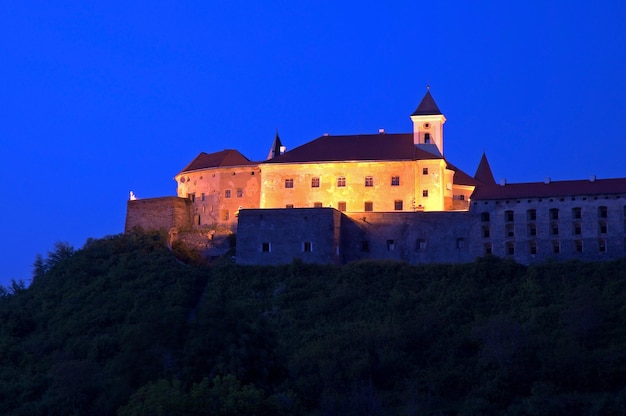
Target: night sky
98	100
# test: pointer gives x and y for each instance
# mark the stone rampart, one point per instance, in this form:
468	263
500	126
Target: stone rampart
158	214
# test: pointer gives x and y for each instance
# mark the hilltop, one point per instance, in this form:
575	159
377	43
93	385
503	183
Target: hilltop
123	326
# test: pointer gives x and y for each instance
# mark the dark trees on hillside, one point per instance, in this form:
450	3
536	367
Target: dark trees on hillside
123	326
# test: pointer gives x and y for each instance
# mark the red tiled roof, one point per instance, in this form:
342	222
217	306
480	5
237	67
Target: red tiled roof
356	148
218	159
551	189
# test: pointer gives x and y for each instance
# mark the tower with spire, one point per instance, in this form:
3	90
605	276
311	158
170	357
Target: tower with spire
277	148
428	123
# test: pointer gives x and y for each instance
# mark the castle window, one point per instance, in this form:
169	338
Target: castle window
239	192
532	248
227	193
317	204
395	181
486	231
426	138
602	246
192	197
315	182
365	246
602	212
341	181
460	243
510	231
578	229
202	197
532	230
397	205
554	213
578	244
510	248
289	206
554	229
369	181
556	247
425	193
341	206
391	245
424	171
603	227
369	206
461	197
307	247
488	249
531	215
197	218
288	183
576	213
508	216
420	245
484	216
266	247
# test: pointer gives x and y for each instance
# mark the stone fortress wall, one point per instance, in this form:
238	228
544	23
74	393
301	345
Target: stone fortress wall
589	228
338	199
585	227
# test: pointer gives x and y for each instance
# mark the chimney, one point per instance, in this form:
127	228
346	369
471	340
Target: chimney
547	180
381	131
502	182
592	178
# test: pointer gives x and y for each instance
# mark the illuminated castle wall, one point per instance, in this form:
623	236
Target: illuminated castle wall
377	173
386	196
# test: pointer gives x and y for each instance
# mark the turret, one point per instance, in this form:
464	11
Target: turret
428	123
483	172
277	148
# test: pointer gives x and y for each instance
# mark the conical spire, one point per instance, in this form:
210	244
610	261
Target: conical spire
427	106
483	172
275	149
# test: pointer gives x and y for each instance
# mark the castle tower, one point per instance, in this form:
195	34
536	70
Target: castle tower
483	172
277	148
428	123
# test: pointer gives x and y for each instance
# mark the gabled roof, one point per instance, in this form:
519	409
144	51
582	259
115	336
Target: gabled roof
369	147
550	189
483	172
218	159
427	107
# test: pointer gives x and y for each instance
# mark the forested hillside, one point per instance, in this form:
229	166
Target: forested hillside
121	326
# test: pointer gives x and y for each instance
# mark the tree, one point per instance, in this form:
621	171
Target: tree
62	251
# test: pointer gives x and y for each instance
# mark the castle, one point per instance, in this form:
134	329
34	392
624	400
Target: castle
338	199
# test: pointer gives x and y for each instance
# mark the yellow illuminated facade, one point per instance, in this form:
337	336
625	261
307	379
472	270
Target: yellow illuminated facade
361	173
424	185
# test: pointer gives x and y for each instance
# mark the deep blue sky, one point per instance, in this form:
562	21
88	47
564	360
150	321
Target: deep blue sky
98	100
